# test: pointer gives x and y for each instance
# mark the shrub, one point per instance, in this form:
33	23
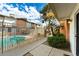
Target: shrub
58	41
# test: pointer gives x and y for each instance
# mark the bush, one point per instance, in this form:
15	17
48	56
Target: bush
58	41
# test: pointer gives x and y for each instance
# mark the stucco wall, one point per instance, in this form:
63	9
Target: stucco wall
41	30
64	29
73	30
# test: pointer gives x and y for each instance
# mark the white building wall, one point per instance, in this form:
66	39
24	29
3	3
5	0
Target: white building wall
10	20
73	30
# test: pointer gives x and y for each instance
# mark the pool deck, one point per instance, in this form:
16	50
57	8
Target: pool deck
20	51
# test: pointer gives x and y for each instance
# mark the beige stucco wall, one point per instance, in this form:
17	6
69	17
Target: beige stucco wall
73	30
41	30
65	29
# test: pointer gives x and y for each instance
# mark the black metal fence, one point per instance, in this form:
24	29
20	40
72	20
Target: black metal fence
11	37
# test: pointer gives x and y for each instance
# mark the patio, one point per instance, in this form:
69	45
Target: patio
45	50
48	51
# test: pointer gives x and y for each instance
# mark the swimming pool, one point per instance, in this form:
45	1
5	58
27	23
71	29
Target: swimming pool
12	40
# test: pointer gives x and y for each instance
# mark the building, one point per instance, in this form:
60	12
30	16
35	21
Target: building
65	12
25	26
65	25
21	26
7	23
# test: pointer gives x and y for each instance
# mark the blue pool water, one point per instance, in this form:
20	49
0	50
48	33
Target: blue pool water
12	40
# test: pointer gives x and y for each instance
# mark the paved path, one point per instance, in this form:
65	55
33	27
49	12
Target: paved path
44	50
59	52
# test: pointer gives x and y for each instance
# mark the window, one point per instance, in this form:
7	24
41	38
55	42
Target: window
29	25
9	29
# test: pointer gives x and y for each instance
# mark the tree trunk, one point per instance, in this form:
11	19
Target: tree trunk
52	30
45	33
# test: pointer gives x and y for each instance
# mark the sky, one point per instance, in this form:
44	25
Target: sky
38	6
29	9
22	10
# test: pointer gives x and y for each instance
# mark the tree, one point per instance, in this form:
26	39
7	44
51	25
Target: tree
44	9
48	15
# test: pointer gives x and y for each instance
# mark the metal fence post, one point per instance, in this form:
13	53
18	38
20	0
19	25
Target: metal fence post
2	33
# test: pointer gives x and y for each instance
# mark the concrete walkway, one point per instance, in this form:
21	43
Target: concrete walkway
44	50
